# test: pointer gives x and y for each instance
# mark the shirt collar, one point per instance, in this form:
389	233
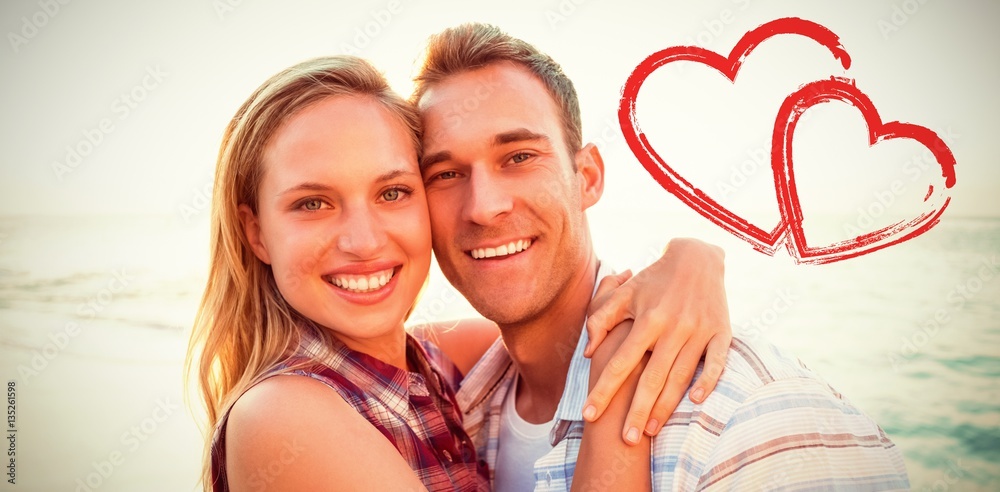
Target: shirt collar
492	367
369	372
570	407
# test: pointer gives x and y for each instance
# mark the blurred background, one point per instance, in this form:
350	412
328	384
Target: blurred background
113	112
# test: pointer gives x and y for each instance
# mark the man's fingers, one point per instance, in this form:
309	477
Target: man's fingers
607	309
625	359
715	363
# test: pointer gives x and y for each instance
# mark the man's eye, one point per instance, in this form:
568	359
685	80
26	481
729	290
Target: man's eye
520	157
447	175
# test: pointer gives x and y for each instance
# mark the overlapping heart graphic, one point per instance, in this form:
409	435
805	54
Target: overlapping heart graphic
789	229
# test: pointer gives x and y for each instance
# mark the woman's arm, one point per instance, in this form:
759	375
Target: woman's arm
463	341
680	311
603	451
291	433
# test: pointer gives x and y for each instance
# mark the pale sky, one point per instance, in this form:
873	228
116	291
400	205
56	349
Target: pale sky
75	78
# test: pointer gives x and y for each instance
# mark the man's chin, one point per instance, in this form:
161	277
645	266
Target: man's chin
504	305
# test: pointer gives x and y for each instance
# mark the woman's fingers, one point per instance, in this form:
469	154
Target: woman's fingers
681	374
678	382
625	360
715	362
608	308
659	369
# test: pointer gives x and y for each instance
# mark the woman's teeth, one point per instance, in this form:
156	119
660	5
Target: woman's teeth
362	283
502	250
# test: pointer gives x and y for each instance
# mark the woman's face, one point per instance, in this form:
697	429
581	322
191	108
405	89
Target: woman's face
342	220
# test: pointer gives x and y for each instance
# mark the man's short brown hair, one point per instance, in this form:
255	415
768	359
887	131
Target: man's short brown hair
474	45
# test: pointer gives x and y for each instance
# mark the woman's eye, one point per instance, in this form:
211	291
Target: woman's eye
395	194
312	204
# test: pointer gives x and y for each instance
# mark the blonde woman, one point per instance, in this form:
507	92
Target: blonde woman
320	245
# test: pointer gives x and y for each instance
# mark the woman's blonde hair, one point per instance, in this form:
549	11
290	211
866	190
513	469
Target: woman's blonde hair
243	326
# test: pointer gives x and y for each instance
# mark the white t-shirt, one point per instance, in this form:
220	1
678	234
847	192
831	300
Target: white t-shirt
521	444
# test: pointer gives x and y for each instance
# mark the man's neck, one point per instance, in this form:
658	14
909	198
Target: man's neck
542	347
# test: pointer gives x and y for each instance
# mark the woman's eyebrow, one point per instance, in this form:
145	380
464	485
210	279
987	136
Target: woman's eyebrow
314	186
396	173
307	186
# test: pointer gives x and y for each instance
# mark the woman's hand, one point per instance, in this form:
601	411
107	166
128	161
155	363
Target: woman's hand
680	311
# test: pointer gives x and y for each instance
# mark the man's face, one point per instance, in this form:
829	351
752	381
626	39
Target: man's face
506	204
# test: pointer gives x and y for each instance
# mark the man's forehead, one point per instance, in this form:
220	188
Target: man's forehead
486	97
467	90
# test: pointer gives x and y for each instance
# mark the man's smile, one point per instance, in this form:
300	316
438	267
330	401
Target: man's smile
504	249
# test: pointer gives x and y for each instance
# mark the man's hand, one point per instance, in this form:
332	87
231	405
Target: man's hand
680	311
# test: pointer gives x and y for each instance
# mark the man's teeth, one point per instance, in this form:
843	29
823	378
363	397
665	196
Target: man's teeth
362	283
502	250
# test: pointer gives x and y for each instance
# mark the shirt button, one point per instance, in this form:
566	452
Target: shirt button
417	386
447	455
548	478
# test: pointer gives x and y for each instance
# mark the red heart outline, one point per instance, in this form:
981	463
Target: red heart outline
790	226
844	90
665	175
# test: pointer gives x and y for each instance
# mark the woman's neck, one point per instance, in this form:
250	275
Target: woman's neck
389	348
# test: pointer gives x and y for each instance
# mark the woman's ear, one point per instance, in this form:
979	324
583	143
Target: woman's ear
590	165
251	227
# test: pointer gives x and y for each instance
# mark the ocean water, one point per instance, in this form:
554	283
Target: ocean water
94	314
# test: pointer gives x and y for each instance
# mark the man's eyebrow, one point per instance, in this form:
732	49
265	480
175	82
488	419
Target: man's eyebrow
430	159
518	135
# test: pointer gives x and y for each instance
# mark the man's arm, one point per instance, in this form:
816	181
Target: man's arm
681	313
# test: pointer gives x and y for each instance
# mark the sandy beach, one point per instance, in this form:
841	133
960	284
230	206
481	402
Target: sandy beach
94	415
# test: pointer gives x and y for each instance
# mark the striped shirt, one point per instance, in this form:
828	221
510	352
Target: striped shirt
770	424
416	411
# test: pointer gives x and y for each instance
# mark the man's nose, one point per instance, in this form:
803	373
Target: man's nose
488	198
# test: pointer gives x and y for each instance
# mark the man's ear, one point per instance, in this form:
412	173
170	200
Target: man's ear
251	227
590	165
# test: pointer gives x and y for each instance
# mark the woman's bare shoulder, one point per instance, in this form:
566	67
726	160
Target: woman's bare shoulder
289	433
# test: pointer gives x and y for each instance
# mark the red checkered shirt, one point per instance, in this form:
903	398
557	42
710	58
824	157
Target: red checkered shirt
416	411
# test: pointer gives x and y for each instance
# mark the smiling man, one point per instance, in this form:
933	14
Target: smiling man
508	182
